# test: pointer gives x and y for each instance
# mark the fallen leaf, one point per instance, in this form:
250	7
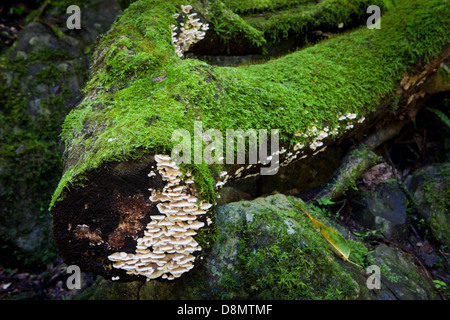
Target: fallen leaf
334	238
377	174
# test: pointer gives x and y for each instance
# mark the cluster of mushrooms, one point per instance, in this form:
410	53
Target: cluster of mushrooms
191	30
166	248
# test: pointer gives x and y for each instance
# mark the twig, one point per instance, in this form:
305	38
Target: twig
342	207
41	10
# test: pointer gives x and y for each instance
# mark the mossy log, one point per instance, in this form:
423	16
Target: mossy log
119	184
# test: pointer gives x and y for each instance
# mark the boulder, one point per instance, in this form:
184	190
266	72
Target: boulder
41	77
383	208
430	187
401	277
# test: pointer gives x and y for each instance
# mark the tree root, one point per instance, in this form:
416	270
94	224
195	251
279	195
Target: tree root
358	161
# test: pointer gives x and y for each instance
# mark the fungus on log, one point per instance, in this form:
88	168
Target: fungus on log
124	208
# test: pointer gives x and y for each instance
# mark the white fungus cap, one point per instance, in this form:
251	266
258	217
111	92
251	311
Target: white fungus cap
166	248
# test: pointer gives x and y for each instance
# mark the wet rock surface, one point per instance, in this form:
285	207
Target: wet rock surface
401	278
384	208
430	188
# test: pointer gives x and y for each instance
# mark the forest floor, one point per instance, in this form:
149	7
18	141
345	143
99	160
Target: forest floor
12	20
38	284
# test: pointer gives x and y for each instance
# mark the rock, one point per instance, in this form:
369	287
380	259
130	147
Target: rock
266	249
430	187
401	279
384	208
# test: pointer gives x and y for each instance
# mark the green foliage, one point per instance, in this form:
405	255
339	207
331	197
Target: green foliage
444	118
219	28
17	10
440	285
325	201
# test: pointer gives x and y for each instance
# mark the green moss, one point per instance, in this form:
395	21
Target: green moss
358	161
323	16
263	5
436	198
230	26
282	256
349	73
400	275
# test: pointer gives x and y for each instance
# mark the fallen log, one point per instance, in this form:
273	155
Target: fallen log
125	209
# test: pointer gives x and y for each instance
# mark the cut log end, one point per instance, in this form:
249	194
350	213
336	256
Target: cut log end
136	219
105	216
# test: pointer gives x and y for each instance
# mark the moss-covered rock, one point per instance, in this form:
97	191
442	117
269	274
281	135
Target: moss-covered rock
268	249
430	187
40	81
401	278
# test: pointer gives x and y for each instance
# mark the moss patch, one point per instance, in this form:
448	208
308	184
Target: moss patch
329	15
282	256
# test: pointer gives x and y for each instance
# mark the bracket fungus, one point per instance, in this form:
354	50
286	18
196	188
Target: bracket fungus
189	30
166	249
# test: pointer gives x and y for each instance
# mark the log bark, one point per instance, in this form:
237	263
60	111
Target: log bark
118	180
